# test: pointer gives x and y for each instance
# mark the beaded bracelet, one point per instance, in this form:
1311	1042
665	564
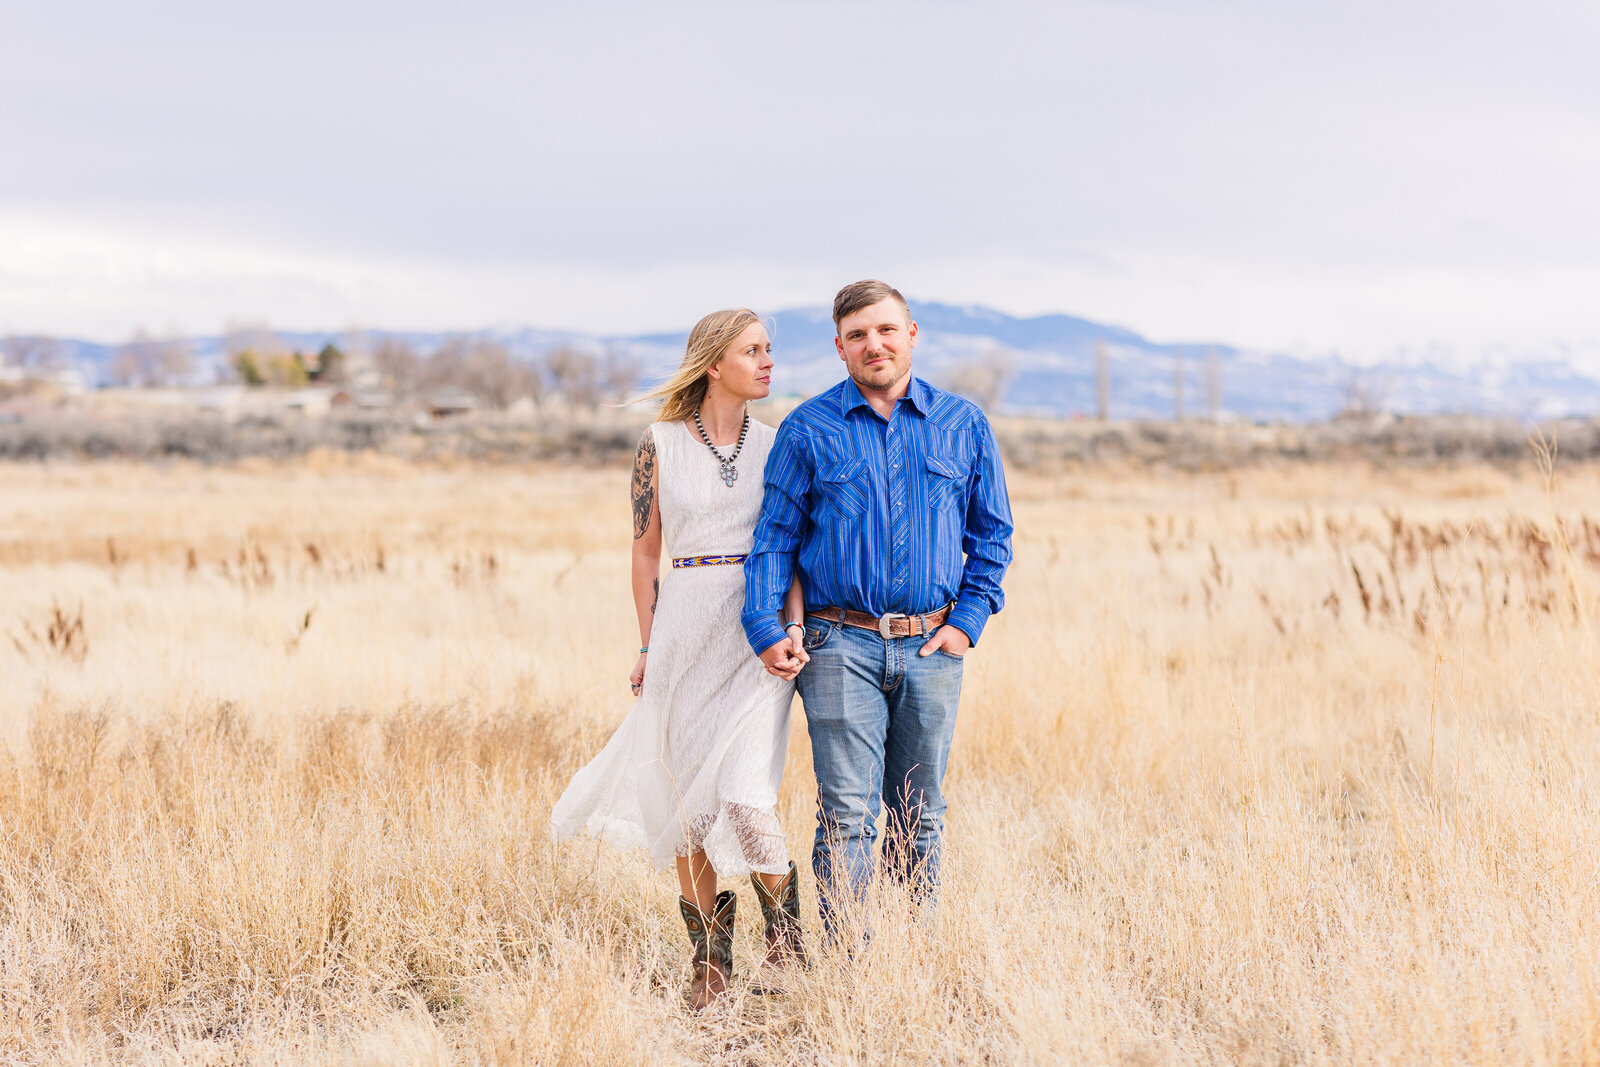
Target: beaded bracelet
644	649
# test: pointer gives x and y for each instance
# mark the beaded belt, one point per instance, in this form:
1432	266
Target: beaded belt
707	561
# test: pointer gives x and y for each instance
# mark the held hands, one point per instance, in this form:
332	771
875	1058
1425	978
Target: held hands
948	639
636	679
784	659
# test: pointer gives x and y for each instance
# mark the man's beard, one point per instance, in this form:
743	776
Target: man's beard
880	377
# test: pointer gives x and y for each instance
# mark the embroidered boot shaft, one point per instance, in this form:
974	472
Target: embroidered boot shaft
712	939
781	909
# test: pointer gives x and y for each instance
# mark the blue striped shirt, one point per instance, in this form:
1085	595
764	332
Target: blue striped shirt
878	513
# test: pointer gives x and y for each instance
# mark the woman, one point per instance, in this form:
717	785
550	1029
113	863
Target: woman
692	773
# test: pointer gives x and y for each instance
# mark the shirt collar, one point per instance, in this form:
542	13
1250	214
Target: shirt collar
917	394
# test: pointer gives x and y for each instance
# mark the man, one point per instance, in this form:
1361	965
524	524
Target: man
875	490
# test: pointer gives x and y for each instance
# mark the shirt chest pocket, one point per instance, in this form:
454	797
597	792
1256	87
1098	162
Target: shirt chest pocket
842	488
946	481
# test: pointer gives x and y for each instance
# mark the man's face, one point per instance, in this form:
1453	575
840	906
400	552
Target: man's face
875	344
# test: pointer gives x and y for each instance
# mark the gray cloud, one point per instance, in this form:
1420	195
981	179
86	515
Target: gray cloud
1347	174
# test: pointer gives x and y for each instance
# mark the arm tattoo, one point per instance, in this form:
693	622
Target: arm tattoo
644	484
655	588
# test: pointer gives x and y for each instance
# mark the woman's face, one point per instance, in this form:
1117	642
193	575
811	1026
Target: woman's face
745	369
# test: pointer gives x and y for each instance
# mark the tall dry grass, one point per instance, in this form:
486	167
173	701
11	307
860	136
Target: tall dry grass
1285	766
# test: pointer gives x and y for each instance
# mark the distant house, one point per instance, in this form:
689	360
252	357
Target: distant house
361	400
312	403
69	380
447	402
227	399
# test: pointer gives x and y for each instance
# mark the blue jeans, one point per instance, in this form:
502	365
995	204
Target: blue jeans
881	720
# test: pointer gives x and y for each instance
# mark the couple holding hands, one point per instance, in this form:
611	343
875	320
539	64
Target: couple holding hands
854	553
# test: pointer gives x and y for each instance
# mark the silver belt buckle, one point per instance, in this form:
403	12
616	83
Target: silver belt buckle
885	620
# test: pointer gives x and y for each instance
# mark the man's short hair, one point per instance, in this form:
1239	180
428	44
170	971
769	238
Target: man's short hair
857	295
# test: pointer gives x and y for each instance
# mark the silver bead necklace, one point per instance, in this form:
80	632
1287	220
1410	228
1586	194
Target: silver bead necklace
724	463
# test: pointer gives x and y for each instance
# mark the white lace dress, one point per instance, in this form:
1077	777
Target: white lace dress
697	762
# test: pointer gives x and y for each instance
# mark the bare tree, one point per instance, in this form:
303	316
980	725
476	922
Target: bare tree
489	375
148	361
176	361
442	369
619	373
1102	381
32	353
398	365
252	337
982	379
574	376
128	362
480	366
357	368
1177	385
1213	384
532	375
499	379
1364	391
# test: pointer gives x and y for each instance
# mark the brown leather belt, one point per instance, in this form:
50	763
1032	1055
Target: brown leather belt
893	624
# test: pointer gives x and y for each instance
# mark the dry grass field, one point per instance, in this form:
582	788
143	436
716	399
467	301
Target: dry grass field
1292	765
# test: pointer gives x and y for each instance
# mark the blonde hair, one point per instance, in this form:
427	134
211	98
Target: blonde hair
682	394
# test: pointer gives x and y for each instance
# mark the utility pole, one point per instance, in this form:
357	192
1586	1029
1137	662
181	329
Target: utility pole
1213	383
1102	381
1177	384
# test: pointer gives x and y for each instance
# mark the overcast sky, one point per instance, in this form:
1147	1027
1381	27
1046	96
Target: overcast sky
1359	176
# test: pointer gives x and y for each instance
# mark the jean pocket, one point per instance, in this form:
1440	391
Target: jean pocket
950	655
817	634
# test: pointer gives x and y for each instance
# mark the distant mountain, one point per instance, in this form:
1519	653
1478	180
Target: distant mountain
1050	362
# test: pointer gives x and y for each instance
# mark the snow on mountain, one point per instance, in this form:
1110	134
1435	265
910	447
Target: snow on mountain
1050	367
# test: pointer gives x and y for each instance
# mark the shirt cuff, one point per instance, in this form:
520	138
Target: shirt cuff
764	633
969	616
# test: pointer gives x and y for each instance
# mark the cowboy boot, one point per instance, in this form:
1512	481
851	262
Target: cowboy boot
781	908
712	938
